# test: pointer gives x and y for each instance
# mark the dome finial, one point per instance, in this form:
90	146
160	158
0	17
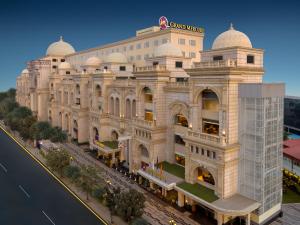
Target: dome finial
61	38
231	26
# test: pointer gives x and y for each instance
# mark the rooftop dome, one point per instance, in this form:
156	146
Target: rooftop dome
231	38
25	71
60	48
65	66
93	61
116	57
167	49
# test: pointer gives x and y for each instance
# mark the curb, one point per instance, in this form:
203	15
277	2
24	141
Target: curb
54	176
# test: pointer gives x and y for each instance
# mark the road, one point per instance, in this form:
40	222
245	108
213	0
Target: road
30	196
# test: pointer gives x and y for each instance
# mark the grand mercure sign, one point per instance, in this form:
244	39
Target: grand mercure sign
165	24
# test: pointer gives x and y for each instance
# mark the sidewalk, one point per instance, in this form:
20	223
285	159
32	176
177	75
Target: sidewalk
156	211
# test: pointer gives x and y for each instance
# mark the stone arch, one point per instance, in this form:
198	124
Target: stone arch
178	107
95	133
205	169
144	152
114	135
198	92
128	108
67	122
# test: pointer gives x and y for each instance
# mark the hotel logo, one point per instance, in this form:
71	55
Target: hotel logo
163	23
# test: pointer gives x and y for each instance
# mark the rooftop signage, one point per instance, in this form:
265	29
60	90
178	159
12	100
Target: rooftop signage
165	24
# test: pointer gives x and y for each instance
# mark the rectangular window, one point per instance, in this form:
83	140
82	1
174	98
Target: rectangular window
138	46
197	150
54	60
202	151
62	60
250	59
146	44
192	43
192	55
156	43
181	41
208	153
67	72
217	57
192	148
122	68
54	67
178	64
214	155
155	63
210	127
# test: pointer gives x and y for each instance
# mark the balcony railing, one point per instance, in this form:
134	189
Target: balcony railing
151	68
219	63
208	138
143	123
178	84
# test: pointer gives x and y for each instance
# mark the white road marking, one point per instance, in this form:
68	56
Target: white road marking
48	217
3	167
25	192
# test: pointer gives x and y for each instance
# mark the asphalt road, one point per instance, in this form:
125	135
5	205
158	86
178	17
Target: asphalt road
30	196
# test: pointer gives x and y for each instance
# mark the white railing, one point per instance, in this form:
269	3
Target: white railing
204	137
143	123
178	84
218	63
151	68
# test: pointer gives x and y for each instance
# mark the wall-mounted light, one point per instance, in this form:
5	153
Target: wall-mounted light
223	132
191	126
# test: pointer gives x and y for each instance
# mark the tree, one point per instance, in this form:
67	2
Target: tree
111	198
139	221
6	106
57	160
40	130
26	123
130	205
57	135
99	193
72	172
88	179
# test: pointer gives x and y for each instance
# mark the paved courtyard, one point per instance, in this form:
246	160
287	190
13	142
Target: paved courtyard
157	212
291	215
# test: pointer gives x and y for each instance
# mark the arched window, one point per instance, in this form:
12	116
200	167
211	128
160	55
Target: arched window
128	108
117	111
144	151
148	98
112	106
133	110
203	175
95	134
181	120
77	89
210	100
98	91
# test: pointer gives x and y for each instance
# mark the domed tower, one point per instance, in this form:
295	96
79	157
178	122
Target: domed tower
234	48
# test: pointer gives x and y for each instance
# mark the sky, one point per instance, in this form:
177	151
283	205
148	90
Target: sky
28	27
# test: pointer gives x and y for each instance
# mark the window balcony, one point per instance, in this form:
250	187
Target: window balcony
143	123
206	138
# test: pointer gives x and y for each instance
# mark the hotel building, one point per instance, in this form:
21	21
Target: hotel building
196	123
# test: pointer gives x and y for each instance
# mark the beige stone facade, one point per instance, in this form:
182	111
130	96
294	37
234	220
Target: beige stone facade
159	102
